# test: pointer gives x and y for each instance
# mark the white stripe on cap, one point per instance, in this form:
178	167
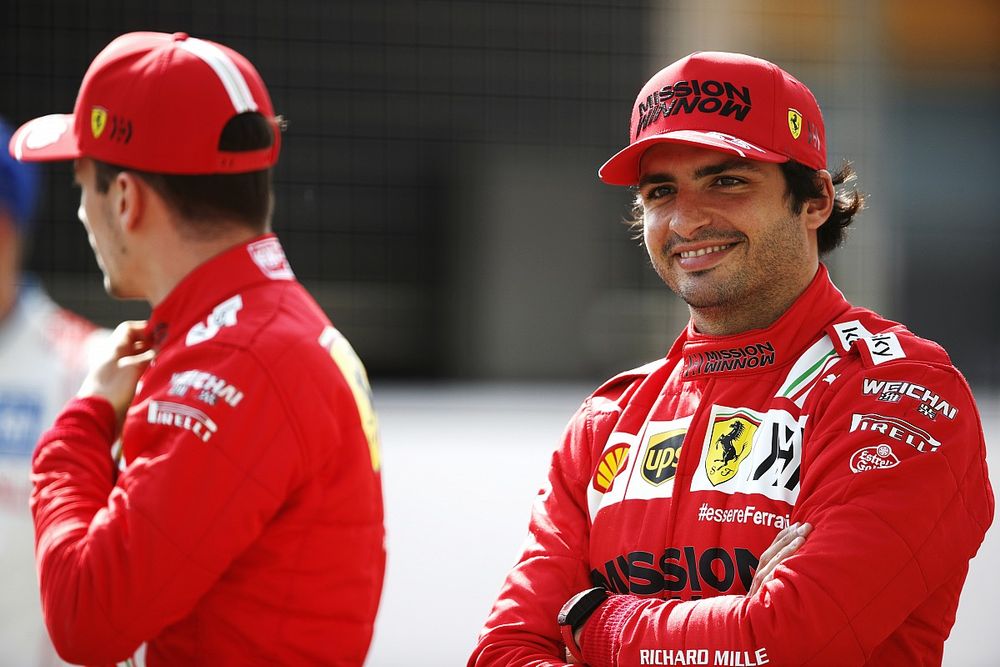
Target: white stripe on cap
223	66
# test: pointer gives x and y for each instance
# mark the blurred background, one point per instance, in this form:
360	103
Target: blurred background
437	193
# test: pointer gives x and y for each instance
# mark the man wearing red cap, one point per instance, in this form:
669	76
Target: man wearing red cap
243	521
799	481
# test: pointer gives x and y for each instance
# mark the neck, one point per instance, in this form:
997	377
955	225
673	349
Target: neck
746	314
172	262
727	321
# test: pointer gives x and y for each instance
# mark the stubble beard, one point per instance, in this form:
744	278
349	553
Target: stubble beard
754	284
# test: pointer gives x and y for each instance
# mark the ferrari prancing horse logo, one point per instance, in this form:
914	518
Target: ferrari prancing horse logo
794	123
732	438
98	121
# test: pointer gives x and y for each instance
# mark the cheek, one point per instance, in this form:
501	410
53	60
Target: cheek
655	229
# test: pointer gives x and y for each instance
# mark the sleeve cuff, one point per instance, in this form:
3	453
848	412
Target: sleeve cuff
600	640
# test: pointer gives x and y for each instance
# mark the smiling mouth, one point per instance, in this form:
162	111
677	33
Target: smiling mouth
689	254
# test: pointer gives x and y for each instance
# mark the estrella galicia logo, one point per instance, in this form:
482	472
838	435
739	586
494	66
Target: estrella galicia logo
664	450
732	438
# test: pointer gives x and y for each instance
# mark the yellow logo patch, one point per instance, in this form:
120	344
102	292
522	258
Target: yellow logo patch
357	379
98	121
662	455
611	464
794	123
732	438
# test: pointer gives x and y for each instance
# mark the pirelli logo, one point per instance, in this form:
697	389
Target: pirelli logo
166	413
896	429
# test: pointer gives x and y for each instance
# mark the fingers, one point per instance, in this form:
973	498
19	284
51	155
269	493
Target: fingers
137	360
781	540
128	339
130	332
785	543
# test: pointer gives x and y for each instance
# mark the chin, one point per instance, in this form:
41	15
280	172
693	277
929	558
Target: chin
117	291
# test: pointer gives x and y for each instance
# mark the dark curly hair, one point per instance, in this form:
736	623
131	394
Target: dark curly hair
803	185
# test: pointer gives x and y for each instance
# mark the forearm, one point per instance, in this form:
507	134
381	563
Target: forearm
72	469
73	478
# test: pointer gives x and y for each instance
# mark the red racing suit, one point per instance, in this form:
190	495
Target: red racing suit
246	526
673	479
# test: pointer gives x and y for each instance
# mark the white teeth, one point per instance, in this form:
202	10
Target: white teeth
703	251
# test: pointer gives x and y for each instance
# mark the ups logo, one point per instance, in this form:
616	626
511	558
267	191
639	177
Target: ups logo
732	439
660	463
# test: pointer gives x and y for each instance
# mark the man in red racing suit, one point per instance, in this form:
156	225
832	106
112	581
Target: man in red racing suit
674	478
244	523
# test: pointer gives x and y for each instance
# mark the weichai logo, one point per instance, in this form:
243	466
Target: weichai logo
682	97
703	574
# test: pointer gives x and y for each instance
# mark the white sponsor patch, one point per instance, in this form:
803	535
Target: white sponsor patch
849	332
897	429
884	347
165	413
223	315
207	388
270	258
638	467
751	452
876	457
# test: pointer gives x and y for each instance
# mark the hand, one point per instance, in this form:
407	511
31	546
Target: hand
570	658
116	370
784	545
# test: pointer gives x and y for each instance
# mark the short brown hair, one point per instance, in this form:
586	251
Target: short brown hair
803	184
245	199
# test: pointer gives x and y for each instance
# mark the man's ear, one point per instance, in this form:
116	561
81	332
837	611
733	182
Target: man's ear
817	211
130	202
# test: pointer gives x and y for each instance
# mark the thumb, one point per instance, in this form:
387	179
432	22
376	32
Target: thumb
137	360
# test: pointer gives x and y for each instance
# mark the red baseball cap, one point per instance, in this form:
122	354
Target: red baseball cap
156	102
728	102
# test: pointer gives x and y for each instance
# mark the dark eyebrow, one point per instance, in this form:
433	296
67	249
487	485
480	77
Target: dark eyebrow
736	164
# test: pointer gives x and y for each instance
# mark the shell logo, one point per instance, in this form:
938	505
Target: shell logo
610	466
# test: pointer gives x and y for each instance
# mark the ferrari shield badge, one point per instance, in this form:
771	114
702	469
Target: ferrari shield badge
98	121
794	123
732	439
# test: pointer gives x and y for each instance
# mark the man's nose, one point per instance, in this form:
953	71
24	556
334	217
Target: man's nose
689	214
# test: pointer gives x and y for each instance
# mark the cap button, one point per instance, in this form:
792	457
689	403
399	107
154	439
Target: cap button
180	36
